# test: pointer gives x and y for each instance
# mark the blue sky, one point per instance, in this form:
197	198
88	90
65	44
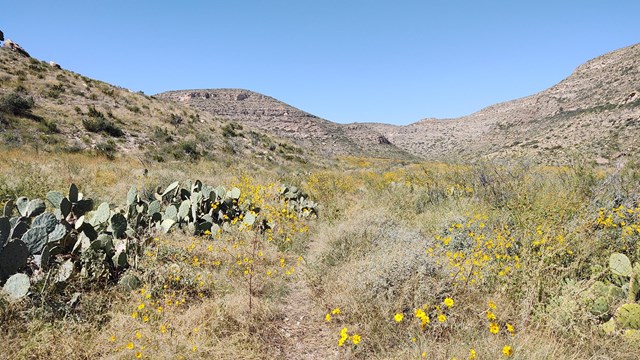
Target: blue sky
347	61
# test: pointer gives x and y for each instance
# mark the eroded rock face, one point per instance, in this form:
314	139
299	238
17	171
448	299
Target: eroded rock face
15	47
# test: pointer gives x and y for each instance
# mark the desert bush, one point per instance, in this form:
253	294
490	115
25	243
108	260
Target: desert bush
107	149
97	123
16	104
232	129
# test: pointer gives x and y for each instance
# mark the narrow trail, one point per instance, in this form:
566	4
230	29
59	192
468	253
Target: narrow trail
304	331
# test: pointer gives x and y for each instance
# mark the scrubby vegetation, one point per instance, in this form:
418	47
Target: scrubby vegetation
376	259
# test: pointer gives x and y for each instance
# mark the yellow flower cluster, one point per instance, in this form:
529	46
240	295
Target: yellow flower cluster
344	337
151	323
476	254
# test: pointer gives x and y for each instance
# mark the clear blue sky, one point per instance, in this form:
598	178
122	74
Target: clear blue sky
345	60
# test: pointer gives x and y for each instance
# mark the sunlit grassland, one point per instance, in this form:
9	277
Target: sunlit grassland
517	249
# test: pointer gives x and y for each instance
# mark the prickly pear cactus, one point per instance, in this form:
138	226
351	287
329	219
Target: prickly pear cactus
5	231
634	284
17	287
615	293
118	225
620	265
8	209
600	306
628	316
609	328
35	239
101	215
129	282
13	257
48	220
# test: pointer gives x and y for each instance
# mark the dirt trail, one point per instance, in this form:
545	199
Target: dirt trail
304	331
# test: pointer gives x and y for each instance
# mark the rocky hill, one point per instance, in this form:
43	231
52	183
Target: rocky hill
263	112
48	108
595	112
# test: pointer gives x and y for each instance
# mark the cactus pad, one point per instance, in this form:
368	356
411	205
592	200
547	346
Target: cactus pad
619	264
628	316
17	286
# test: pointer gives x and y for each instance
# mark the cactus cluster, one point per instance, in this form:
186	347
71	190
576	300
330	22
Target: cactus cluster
61	241
621	266
101	244
298	201
627	316
197	208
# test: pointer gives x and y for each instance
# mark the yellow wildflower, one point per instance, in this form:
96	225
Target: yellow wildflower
327	317
343	336
398	317
507	350
356	339
494	328
138	354
448	302
130	346
442	318
510	328
336	311
472	354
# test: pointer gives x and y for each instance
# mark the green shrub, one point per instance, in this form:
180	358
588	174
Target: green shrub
107	149
99	124
102	125
16	104
231	130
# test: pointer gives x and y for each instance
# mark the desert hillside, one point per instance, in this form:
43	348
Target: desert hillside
49	108
268	114
593	113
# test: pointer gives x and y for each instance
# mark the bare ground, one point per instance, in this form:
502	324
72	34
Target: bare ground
303	333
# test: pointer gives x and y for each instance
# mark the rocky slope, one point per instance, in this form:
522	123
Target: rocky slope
259	111
592	114
52	109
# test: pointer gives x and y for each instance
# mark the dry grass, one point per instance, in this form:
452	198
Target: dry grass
366	254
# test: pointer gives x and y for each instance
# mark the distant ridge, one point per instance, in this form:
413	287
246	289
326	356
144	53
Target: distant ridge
249	108
593	113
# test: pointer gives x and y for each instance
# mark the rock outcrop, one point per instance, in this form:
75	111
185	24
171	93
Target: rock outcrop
16	48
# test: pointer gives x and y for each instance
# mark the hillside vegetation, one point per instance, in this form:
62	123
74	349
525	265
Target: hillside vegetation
265	250
54	110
